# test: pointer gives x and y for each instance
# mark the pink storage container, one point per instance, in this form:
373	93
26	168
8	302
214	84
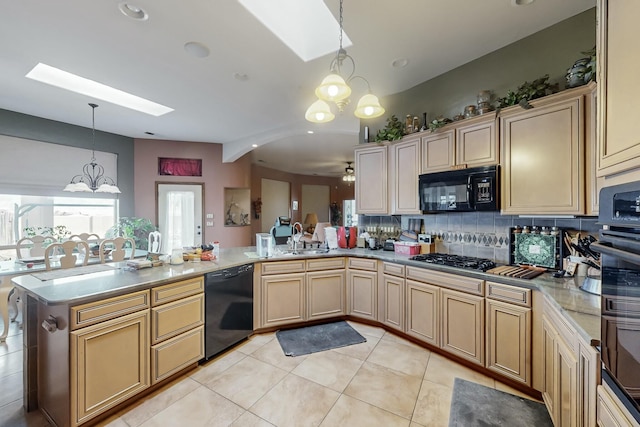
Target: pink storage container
406	248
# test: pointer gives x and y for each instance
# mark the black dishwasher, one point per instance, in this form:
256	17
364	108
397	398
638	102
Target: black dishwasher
228	298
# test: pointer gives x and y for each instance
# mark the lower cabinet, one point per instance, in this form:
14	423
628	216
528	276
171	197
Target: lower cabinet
611	412
325	294
283	299
122	345
362	288
109	364
391	296
571	372
298	290
463	325
509	331
423	312
177	327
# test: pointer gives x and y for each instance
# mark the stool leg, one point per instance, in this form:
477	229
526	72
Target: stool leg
4	310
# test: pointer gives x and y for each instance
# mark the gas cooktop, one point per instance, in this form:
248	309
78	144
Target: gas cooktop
467	262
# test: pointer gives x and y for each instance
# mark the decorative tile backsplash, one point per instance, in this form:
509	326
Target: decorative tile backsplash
478	234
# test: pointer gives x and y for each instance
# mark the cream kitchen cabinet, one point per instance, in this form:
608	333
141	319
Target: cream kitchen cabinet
619	133
282	292
391	296
463	325
438	151
300	290
508	331
468	143
403	175
422	307
326	288
371	187
177	327
362	288
571	371
543	164
611	412
109	357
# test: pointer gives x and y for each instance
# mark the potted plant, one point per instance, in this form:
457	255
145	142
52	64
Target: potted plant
394	130
136	228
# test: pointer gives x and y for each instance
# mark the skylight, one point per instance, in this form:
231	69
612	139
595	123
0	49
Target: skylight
53	76
307	27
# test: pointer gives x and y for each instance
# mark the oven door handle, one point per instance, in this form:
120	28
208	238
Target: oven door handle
608	250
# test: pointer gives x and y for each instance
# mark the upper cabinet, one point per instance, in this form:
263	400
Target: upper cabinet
543	155
468	143
371	179
619	131
403	176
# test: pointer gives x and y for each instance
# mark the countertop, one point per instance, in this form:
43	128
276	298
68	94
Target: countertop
582	308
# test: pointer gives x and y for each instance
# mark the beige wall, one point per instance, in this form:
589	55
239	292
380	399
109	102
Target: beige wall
216	175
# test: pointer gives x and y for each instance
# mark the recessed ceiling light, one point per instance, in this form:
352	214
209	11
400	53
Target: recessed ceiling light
299	25
521	2
55	77
254	145
400	63
196	49
132	11
241	77
309	132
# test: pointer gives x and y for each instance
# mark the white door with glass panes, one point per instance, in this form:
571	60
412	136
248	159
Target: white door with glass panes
179	215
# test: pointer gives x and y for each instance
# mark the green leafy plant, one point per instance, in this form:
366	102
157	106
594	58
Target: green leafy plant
59	232
136	228
393	131
438	122
527	91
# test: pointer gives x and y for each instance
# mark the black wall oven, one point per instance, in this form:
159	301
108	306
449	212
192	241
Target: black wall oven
620	319
460	190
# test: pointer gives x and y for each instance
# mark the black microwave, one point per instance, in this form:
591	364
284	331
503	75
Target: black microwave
460	190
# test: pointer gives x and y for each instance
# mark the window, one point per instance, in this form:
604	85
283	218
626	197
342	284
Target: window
77	214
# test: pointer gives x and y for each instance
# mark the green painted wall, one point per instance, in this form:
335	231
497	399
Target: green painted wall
551	51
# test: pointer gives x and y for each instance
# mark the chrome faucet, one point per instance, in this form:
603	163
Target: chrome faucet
297	235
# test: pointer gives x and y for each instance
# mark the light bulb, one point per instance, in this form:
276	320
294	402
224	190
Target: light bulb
368	110
319	116
332	90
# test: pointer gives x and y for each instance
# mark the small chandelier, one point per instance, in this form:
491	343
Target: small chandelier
92	179
334	88
349	174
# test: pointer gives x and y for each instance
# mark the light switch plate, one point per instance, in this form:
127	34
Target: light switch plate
209	223
209	216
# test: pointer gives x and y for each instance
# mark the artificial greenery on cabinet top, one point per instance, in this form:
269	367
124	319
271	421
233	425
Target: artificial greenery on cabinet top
393	131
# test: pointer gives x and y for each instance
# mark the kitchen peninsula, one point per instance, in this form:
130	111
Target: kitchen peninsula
73	323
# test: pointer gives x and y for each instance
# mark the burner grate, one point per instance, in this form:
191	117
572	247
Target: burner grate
466	262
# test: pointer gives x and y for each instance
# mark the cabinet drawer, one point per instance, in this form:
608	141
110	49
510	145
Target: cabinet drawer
279	267
177	353
177	290
507	293
363	264
325	264
393	269
465	284
100	311
171	319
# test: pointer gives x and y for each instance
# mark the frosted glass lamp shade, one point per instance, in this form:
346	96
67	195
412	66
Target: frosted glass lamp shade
333	88
319	112
369	107
78	187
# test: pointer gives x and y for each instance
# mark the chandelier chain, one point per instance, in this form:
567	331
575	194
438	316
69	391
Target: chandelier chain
340	27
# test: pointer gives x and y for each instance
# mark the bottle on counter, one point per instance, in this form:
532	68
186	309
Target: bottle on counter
216	248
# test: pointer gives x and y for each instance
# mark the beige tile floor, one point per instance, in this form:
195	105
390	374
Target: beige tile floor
386	381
